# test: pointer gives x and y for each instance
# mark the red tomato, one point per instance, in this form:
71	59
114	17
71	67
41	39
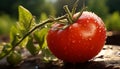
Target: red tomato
80	41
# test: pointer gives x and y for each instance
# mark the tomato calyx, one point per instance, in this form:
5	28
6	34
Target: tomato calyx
69	15
70	19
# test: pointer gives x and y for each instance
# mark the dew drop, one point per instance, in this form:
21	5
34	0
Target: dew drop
100	31
82	37
75	25
70	27
85	25
89	38
89	18
65	48
60	31
95	21
73	41
87	21
97	27
91	48
79	34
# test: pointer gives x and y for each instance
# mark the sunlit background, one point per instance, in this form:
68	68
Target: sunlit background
108	10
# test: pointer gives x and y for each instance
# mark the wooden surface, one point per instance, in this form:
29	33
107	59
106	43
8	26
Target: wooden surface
108	58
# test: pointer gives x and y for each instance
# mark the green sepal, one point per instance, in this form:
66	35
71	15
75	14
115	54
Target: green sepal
14	58
47	55
34	50
6	50
14	35
26	20
40	37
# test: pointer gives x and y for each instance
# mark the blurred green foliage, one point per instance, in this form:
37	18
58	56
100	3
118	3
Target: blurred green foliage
42	9
113	22
10	7
5	23
113	5
35	6
99	7
108	10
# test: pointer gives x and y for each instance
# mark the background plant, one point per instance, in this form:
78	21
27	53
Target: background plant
25	34
42	9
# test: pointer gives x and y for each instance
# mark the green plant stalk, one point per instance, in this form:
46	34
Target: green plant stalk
33	29
66	16
69	15
80	13
37	26
74	7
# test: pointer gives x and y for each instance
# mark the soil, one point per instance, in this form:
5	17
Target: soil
108	58
113	38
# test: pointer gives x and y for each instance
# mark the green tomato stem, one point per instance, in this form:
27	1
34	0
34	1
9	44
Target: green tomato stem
74	7
33	29
39	25
69	15
75	19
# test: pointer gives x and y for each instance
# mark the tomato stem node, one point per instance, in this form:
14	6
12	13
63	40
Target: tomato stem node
79	14
69	15
74	7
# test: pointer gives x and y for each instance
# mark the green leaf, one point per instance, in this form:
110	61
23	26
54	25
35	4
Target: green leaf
24	42
34	50
26	20
14	58
5	51
47	55
14	35
43	16
40	37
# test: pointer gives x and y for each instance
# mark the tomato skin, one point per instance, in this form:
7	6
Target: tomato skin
79	42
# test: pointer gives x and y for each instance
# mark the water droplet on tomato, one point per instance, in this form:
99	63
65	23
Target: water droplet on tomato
79	34
70	27
97	27
79	41
88	18
91	48
95	21
82	37
100	27
65	48
100	30
89	38
75	25
85	25
87	21
73	41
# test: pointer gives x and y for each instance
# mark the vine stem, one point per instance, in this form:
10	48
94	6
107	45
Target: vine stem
39	25
69	15
33	29
49	21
